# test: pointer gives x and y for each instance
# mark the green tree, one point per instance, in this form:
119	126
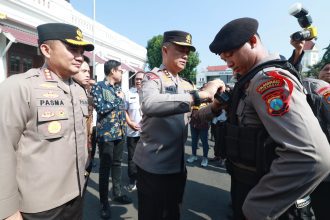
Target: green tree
315	69
154	55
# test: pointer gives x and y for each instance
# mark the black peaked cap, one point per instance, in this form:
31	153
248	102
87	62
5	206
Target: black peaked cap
64	32
180	38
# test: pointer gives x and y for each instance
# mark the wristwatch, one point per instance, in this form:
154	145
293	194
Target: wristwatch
196	98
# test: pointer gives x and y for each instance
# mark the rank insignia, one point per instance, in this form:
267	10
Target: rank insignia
276	103
273	83
54	127
50	94
47	74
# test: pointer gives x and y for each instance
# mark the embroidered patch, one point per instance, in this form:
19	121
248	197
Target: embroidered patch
276	102
273	83
151	76
54	127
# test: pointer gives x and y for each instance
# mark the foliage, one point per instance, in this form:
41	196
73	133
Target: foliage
315	69
154	55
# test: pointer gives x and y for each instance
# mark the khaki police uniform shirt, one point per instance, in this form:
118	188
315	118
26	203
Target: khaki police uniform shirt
43	142
165	107
277	102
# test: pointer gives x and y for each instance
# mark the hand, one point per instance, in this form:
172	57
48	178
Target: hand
210	88
298	45
16	216
135	126
120	94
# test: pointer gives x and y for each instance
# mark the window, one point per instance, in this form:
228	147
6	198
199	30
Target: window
19	64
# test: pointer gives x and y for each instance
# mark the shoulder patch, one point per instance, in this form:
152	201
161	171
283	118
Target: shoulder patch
276	102
273	83
151	76
326	96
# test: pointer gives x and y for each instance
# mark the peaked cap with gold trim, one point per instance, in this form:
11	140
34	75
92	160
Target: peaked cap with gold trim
64	32
180	38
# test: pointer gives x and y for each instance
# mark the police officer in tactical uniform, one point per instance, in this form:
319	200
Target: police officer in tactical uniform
166	100
43	131
276	150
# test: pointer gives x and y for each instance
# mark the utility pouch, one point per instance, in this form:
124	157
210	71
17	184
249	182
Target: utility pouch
219	145
265	153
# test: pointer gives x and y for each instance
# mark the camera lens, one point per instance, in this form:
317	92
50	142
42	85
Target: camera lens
301	35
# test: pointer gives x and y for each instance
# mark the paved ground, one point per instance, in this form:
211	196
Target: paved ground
206	194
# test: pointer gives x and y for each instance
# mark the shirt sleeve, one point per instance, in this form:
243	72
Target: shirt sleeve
13	117
154	103
102	104
303	153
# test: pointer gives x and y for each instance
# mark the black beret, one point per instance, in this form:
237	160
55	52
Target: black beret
180	38
64	32
234	34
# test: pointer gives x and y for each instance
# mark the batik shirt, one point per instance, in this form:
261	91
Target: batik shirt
111	121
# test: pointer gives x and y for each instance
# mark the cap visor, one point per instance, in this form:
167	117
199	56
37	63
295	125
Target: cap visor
192	48
88	46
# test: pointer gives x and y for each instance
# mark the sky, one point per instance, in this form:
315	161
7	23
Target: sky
140	20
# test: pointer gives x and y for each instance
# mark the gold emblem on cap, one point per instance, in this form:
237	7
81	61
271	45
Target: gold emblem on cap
79	35
54	127
188	39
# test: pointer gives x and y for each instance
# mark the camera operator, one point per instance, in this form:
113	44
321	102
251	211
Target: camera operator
276	150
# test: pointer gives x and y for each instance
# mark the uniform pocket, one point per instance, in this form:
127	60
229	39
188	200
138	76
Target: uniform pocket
52	122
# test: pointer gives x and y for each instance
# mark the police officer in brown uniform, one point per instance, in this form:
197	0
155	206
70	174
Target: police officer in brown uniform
276	151
43	131
166	100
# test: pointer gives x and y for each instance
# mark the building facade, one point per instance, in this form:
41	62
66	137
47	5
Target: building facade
18	38
214	72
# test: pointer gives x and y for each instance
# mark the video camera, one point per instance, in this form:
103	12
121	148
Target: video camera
305	21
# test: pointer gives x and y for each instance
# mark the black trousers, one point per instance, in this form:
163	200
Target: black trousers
160	195
111	156
239	191
131	145
71	210
320	201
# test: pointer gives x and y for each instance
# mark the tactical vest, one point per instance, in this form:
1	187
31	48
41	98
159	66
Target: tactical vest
251	148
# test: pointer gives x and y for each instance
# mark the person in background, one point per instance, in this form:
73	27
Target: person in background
276	151
84	80
166	101
43	132
324	73
199	130
111	133
133	118
219	124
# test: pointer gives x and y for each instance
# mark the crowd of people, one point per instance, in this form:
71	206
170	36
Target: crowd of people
273	143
